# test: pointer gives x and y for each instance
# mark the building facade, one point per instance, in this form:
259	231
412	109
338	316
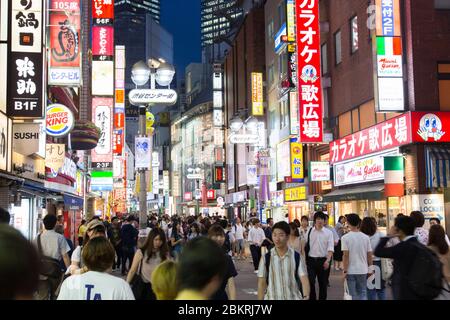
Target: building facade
152	7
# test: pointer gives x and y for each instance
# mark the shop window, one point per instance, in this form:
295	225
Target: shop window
338	47
367	115
345	124
444	86
354	40
355	120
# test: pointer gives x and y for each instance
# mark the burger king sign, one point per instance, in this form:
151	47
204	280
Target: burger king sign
59	120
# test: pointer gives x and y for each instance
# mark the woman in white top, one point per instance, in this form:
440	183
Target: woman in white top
146	259
96	283
376	287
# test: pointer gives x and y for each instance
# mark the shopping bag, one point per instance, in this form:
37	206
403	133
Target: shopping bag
347	295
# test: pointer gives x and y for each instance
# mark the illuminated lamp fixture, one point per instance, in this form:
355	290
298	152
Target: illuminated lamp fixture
236	124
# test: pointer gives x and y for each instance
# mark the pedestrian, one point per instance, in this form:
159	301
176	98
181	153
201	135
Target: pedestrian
256	237
217	234
357	258
96	283
116	241
336	241
319	249
337	255
434	221
53	248
229	236
294	238
238	232
129	235
5	217
94	229
194	231
81	232
146	259
164	280
268	243
376	285
228	240
303	230
281	273
176	240
60	229
201	269
437	243
405	277
19	264
420	232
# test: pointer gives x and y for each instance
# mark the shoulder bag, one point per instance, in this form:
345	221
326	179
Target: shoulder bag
138	286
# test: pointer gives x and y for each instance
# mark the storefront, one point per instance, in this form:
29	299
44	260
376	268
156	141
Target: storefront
239	204
276	208
296	202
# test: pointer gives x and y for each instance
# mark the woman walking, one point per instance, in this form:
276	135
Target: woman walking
145	261
337	255
437	243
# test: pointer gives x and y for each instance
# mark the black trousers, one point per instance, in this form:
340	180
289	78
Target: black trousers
127	254
118	262
315	269
256	255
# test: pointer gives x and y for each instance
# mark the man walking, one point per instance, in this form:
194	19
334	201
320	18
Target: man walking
238	233
357	258
281	273
319	250
129	235
116	241
268	242
256	237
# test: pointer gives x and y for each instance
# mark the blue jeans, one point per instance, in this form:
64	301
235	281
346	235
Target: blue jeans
376	294
357	286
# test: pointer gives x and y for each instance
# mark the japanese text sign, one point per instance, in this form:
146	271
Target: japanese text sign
257	94
102	42
319	171
102	116
54	156
103	11
26	25
295	194
309	78
388	18
386	135
297	164
290	20
211	194
65	44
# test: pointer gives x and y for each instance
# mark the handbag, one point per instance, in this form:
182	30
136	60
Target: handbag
138	286
347	295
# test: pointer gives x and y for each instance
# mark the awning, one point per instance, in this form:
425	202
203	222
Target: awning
370	192
437	163
73	203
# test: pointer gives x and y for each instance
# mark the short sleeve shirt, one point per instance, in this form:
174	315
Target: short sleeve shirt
53	244
231	273
358	245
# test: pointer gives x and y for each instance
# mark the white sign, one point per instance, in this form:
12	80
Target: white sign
362	170
319	171
196	176
5	143
155	159
295	121
244	138
69	169
103	120
26	19
26	138
252	177
102	78
155	180
143	153
390	94
390	66
283	159
218	117
220	201
431	205
64	76
165	97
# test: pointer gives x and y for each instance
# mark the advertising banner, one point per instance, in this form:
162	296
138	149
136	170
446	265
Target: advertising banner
290	20
430	126
319	171
102	42
297	165
309	77
102	78
26	138
295	194
283	153
143	153
103	11
102	116
257	94
252	177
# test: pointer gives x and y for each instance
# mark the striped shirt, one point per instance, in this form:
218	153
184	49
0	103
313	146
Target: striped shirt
282	284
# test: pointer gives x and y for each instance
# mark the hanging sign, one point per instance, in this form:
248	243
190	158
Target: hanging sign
59	120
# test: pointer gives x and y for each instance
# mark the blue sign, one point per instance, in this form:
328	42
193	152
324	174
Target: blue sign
278	42
73	203
387	18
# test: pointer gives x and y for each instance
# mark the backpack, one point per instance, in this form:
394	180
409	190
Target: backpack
297	264
425	276
49	267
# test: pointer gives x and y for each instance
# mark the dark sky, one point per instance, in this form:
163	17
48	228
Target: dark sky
182	19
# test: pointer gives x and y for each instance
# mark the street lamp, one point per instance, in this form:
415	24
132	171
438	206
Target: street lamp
141	73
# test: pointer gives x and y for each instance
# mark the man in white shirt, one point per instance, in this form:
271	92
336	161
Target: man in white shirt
319	250
238	233
255	238
357	258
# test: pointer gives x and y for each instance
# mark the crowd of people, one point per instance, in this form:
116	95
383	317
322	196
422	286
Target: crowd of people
195	258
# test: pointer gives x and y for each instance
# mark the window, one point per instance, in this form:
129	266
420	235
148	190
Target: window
324	56
270	31
282	65
281	14
444	86
284	112
354	34
270	75
338	47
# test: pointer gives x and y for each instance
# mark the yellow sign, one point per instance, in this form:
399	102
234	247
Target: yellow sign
295	194
290	17
257	94
297	160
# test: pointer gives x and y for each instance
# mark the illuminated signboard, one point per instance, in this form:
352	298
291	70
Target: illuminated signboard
102	116
257	94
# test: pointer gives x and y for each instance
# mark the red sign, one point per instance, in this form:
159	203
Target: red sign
188	196
386	135
309	77
102	9
218	174
65	44
430	126
102	41
211	194
118	142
